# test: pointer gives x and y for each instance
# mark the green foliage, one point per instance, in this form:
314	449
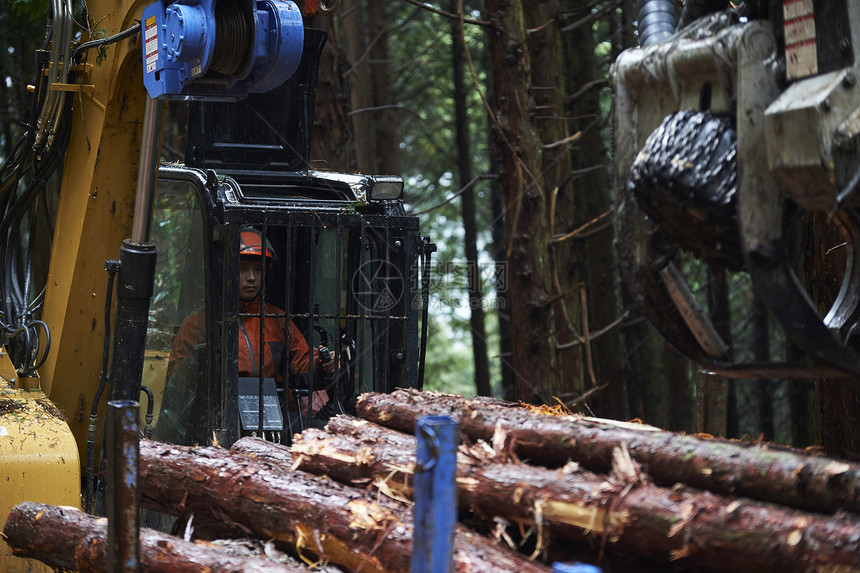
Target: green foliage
420	49
22	26
101	55
449	367
30	9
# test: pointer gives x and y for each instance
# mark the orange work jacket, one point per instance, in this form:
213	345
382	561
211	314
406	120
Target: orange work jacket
193	331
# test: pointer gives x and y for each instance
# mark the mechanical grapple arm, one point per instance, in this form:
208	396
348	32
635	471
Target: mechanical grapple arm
724	132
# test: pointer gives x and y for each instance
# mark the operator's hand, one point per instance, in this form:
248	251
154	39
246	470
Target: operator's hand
328	367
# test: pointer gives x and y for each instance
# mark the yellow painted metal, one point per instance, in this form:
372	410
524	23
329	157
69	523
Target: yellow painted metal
41	454
38	458
154	376
94	214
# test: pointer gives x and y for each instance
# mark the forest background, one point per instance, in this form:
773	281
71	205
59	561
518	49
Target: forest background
497	116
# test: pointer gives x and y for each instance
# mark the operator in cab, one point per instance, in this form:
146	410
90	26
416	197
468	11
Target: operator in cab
283	351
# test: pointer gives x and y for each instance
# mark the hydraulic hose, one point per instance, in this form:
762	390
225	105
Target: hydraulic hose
127	33
656	21
429	248
112	267
150	404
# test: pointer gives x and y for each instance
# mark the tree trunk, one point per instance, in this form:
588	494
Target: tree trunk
547	100
355	451
361	86
644	367
387	142
500	252
699	528
467	206
721	316
538	370
67	538
595	251
681	407
800	401
801	392
307	513
331	141
763	389
767	474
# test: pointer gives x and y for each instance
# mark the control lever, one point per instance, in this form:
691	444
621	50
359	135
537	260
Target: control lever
325	353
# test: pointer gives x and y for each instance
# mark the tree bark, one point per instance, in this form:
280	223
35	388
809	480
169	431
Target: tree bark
277	454
800	401
388	144
681	408
305	512
763	390
712	399
766	474
700	529
467	208
645	367
595	254
361	87
538	370
67	538
500	251
331	141
355	451
547	102
720	312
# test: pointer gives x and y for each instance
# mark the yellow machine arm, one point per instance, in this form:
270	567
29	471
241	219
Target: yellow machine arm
44	421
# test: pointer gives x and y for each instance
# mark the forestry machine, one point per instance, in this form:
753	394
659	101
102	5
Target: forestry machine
350	267
736	125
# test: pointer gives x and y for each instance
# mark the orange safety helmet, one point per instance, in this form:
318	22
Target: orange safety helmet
251	243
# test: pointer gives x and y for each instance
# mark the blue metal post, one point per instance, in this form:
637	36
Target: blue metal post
575	568
123	453
435	495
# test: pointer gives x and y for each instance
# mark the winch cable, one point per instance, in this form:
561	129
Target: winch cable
656	21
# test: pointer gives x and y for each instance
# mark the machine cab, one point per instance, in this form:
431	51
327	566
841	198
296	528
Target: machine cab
345	274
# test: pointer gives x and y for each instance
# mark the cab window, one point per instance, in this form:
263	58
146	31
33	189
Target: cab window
174	342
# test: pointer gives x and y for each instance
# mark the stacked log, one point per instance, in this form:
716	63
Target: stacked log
624	511
67	538
601	489
721	466
315	516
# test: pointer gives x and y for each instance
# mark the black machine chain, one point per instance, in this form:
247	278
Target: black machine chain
685	180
